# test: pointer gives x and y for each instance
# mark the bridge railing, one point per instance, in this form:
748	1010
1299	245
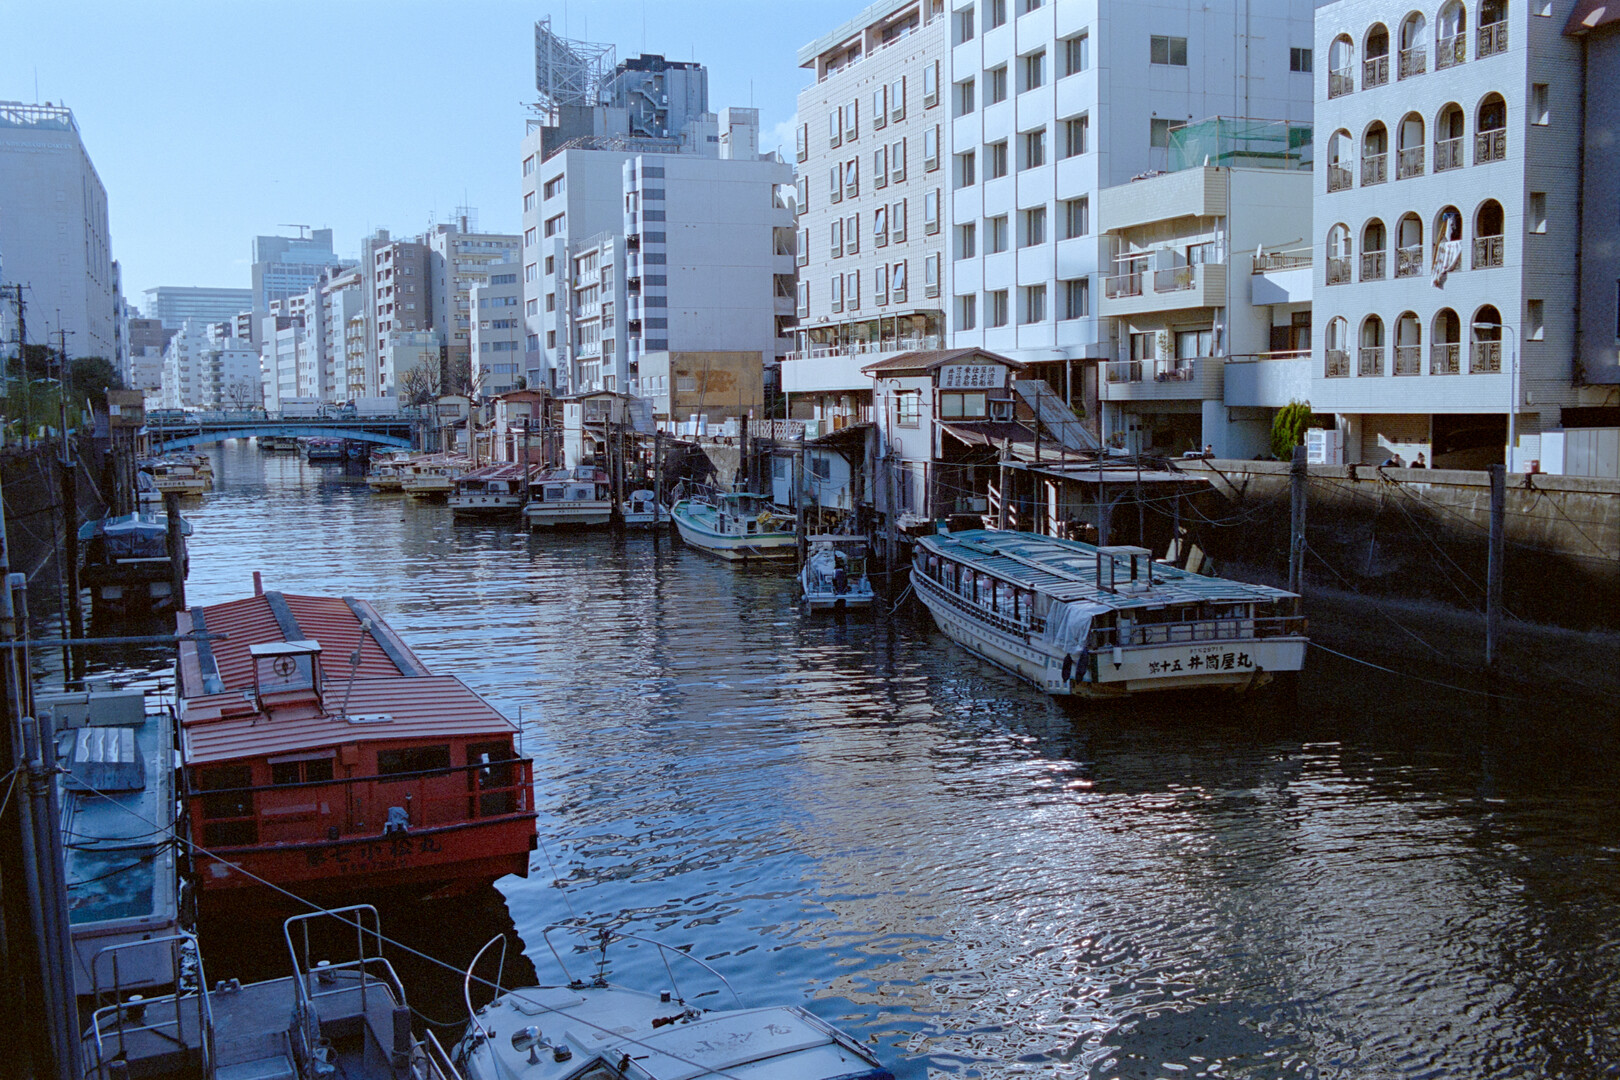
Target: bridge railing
248	418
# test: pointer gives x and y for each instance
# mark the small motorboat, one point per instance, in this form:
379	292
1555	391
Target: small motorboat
596	1030
736	526
641	511
834	577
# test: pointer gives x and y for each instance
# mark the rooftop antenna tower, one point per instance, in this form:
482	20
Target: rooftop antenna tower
303	230
568	72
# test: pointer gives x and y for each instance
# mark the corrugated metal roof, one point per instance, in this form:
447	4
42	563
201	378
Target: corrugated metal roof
434	705
332	621
988	432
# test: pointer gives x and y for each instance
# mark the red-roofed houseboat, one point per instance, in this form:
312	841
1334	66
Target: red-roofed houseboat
323	757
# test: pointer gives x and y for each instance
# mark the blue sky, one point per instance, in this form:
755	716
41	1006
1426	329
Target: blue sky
213	122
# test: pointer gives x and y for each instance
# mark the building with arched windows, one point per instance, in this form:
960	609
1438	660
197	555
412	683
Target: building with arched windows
1448	210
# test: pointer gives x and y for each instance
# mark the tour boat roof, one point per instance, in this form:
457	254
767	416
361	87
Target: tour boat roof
1067	570
501	470
390	694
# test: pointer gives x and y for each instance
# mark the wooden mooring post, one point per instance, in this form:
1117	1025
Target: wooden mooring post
1493	568
177	550
1298	476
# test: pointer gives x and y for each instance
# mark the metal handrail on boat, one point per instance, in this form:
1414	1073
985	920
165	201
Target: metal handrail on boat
121	1010
606	937
1198	631
305	1015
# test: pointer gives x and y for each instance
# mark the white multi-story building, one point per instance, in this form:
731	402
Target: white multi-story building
1052	102
496	326
1211	302
873	177
54	238
206	367
460	258
1448	208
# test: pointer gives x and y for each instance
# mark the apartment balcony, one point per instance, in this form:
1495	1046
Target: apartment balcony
1339	178
1487	252
1485	358
784	264
1267	380
1490	146
1374	71
1444	358
1337	364
1370	361
1409	163
1341	81
1194	379
1178	288
1493	39
1281	277
1374	169
1450	51
1448	154
1413	62
786	305
1338	271
1372	266
1408	359
1409	261
1196	193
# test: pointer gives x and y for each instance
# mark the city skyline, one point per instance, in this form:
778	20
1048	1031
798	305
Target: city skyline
203	145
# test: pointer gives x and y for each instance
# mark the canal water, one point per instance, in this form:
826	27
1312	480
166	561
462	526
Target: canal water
977	881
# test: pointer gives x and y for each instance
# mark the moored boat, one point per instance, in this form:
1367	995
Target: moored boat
641	511
577	498
387	469
126	563
834	576
736	526
323	757
597	1030
433	476
1103	622
498	490
278	444
322	448
346	1017
178	477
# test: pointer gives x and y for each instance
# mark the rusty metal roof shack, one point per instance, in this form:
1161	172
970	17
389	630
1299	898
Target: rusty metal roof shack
226	713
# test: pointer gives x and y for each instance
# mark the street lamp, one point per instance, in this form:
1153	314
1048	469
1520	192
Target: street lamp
1513	386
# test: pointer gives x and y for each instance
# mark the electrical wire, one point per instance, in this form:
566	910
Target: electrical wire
1420	678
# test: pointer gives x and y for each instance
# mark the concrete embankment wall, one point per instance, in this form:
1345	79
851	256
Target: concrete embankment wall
33	504
1422	535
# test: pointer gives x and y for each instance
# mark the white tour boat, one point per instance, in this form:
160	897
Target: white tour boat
737	526
498	490
1103	622
834	576
577	498
597	1030
432	477
181	478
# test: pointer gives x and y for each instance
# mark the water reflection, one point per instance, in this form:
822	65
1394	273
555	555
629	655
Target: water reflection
979	881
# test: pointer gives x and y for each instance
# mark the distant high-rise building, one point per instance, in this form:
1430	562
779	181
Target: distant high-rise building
56	246
285	266
459	259
172	305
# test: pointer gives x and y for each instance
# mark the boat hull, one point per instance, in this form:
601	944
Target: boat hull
757	547
486	505
852	601
463	856
593	514
1118	673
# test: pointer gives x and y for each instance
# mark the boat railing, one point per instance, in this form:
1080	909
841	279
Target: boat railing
437	1059
605	937
113	1026
1197	631
360	806
369	973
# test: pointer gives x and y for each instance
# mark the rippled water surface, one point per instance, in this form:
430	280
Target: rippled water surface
861	818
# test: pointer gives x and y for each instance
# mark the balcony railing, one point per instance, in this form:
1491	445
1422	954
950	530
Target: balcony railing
863	348
1370	361
1450	51
1487	251
1409	261
1374	169
1124	371
1409	163
1121	285
1448	154
1175	279
1339	178
1292	259
1408	359
1341	82
1414	62
1493	39
1490	146
1443	358
1338	271
1372	266
1338	364
1485	358
1374	71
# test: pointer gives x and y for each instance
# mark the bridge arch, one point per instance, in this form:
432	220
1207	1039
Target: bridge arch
181	438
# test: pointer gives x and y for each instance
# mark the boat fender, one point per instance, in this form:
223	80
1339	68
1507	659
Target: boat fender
1068	667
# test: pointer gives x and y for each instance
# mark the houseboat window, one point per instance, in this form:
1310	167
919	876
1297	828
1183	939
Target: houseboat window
987	591
411	759
1004	598
492	777
305	771
933	566
947	576
965	582
953	406
554	493
228	818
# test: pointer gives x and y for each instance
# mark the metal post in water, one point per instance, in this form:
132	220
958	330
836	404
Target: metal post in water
1493	571
177	549
1298	475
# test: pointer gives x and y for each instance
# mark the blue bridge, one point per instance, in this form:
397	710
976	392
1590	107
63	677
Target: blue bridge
175	432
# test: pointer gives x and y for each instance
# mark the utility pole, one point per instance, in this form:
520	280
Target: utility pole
1493	570
70	519
1297	477
22	365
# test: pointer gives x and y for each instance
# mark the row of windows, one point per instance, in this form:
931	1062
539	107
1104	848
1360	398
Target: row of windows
1371	354
1074	220
1489	243
889	286
888	104
1450	141
1074	302
1412	55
